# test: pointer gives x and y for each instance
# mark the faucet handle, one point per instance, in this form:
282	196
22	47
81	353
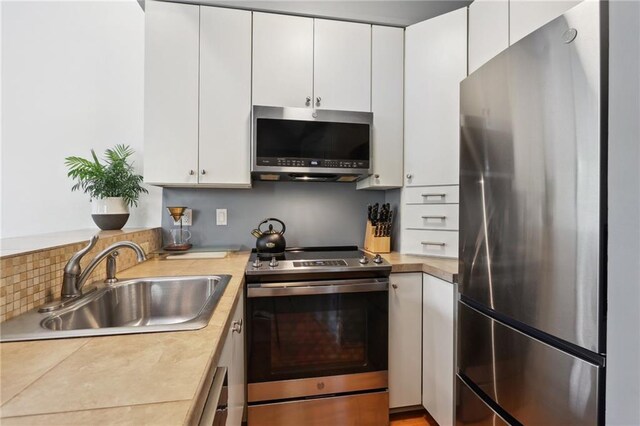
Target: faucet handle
73	265
92	244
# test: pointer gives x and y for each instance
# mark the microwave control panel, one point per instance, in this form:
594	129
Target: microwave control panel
311	163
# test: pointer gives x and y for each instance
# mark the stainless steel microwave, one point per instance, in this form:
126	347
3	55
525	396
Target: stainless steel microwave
307	144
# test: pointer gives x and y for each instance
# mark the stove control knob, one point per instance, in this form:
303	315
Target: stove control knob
364	260
273	262
378	259
256	263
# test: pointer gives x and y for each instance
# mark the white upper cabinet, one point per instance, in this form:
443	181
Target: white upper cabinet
488	30
436	63
171	93
342	65
306	62
527	16
282	60
387	85
197	95
225	97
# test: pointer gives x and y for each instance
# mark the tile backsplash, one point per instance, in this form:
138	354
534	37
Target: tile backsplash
31	279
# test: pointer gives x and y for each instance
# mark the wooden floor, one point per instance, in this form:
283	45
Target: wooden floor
413	418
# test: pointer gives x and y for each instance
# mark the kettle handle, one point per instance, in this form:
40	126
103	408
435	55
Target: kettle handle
284	228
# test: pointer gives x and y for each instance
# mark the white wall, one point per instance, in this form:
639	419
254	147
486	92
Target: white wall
623	337
72	80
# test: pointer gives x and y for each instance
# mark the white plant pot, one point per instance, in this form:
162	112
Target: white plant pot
109	213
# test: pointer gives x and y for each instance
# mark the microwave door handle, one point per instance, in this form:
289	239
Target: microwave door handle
316	288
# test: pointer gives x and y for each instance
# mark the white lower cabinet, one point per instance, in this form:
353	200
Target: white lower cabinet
232	357
438	361
405	339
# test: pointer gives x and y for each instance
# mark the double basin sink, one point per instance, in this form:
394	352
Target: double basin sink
139	305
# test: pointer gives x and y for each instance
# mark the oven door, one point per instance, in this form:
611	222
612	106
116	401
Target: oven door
316	338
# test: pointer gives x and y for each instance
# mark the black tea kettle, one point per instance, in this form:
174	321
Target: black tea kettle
270	243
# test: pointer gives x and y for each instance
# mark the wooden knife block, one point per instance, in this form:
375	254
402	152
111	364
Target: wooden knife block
375	244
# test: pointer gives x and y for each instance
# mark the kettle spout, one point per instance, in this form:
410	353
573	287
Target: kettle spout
256	233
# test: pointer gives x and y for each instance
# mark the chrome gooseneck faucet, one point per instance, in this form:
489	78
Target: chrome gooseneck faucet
74	278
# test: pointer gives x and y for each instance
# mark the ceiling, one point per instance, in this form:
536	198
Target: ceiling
399	13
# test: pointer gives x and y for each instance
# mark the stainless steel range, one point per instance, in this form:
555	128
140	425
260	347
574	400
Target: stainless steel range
317	337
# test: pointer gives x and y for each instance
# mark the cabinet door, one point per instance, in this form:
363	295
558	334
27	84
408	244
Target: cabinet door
232	357
438	302
171	93
225	97
387	102
436	62
342	65
488	30
237	398
405	340
282	60
526	16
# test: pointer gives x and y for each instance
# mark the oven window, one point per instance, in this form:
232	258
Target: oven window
297	337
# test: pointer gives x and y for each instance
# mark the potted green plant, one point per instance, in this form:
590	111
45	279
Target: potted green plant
112	185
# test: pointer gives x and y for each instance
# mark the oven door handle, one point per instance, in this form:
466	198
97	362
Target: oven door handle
305	288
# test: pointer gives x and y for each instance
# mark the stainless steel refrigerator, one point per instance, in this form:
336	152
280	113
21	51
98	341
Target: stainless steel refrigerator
531	314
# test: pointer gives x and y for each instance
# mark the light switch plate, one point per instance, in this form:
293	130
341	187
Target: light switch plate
221	217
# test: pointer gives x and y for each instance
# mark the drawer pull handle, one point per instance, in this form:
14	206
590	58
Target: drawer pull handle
441	195
434	217
432	243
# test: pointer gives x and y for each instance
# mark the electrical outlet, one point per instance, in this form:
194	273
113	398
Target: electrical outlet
187	218
221	217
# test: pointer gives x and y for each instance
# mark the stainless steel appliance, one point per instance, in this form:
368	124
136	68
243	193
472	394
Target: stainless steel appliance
306	144
531	343
317	338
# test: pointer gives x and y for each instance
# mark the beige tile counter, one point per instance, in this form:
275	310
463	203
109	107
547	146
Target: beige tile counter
153	378
445	269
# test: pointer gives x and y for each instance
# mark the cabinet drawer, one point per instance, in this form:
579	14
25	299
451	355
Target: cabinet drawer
432	243
431	195
436	216
362	409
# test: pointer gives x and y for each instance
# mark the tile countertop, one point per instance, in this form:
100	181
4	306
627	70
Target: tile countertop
445	269
153	378
120	379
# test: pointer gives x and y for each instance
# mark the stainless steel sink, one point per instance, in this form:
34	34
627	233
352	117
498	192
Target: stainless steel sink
139	305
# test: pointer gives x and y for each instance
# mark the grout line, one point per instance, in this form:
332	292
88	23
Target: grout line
111	407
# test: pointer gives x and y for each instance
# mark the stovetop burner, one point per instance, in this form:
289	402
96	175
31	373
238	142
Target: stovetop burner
299	263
